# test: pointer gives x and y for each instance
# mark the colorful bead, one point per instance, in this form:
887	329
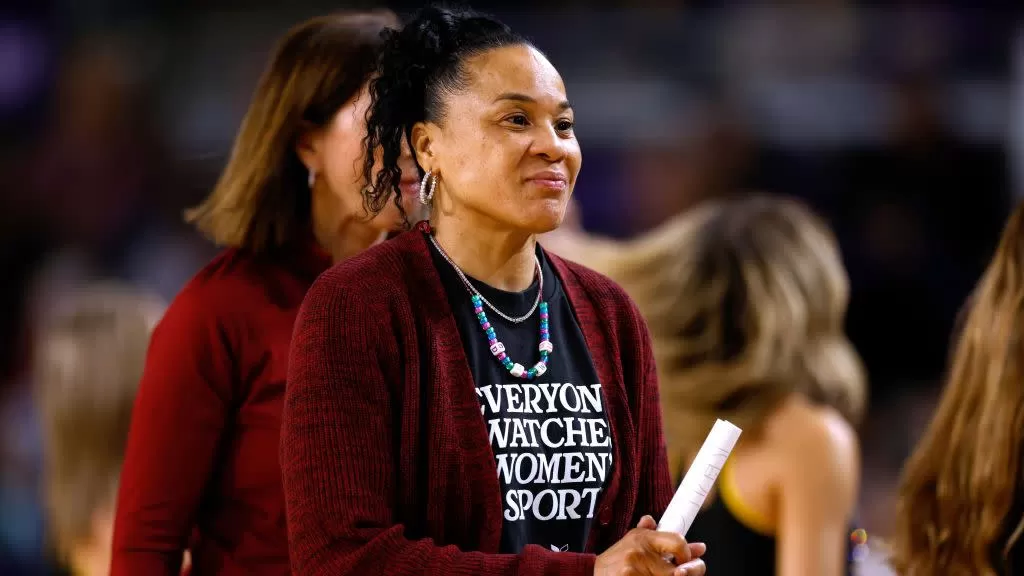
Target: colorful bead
498	349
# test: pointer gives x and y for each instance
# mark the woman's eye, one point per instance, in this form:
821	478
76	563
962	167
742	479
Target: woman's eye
518	119
564	125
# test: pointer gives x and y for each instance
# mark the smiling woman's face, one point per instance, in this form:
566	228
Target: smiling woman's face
505	148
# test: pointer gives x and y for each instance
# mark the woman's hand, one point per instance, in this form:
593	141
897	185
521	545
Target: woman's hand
643	552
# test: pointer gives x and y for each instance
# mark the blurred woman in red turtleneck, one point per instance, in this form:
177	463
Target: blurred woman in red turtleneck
201	469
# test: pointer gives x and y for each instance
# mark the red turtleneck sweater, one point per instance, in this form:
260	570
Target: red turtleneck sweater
201	468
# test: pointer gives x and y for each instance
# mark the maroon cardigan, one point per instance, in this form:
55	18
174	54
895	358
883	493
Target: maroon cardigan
386	461
202	449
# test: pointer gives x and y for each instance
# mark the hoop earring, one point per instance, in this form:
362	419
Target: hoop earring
427	196
311	180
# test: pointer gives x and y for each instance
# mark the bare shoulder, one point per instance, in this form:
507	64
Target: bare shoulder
817	451
800	426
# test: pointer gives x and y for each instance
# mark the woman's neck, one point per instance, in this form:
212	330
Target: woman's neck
495	255
348	239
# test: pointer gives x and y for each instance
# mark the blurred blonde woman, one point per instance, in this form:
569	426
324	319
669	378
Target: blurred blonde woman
745	300
88	366
960	508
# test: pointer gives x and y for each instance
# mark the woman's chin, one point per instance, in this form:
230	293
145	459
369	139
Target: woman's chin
546	221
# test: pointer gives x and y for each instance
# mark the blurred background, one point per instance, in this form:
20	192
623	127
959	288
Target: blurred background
901	122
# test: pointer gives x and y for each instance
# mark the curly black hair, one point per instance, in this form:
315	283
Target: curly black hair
419	66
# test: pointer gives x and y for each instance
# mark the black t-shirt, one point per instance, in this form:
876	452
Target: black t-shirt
550	435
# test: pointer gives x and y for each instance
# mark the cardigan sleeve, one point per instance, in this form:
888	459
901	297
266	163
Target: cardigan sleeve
655	489
179	413
338	450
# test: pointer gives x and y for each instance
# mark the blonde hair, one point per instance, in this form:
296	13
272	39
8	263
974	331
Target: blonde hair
88	363
745	300
262	200
961	482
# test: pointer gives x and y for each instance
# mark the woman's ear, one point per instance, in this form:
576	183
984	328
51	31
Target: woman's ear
423	140
308	147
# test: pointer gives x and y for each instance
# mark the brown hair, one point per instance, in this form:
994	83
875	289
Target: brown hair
262	200
745	300
87	369
961	482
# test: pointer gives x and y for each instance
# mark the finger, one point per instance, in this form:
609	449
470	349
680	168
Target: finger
669	544
654	566
647	523
692	568
697	549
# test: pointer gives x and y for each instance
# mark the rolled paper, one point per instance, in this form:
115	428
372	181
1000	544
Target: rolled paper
700	478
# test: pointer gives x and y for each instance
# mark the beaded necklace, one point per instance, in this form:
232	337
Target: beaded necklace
497	348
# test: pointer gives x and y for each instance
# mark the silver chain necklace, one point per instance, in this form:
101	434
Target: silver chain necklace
472	289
